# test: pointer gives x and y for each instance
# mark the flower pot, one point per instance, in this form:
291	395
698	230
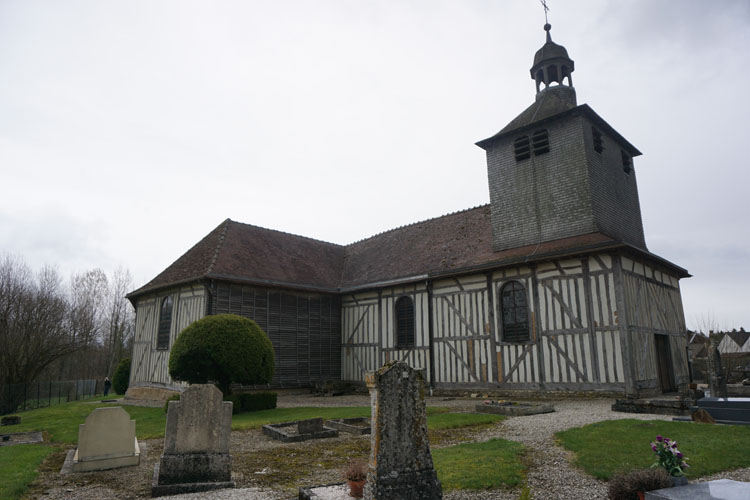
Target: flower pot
356	488
679	480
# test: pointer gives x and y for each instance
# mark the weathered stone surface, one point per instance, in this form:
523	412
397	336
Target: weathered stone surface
310	425
200	422
196	444
400	466
717	382
106	441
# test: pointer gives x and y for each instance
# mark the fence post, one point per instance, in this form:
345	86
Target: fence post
49	394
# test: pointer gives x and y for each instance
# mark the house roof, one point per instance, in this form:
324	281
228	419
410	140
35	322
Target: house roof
739	337
455	243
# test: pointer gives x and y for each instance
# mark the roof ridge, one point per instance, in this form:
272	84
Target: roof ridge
287	233
418	222
219	244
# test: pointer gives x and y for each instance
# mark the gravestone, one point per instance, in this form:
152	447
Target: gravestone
717	382
196	444
106	441
400	466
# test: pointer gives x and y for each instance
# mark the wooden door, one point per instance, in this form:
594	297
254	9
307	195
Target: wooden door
664	363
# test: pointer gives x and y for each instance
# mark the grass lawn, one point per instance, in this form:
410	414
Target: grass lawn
20	463
607	447
475	466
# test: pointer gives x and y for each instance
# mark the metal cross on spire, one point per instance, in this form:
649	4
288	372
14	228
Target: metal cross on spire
546	9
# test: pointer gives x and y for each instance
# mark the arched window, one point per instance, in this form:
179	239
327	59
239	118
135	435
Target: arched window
165	323
404	322
521	148
514	311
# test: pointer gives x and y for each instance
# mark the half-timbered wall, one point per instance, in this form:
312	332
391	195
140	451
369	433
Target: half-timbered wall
575	340
653	307
368	334
463	348
149	365
304	328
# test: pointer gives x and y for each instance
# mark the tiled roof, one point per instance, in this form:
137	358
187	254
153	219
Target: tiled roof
457	242
244	252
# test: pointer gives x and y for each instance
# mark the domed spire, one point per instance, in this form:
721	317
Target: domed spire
551	64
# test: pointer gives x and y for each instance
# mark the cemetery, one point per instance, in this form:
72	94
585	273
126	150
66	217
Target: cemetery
442	444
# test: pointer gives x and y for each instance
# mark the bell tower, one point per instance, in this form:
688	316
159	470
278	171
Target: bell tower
558	170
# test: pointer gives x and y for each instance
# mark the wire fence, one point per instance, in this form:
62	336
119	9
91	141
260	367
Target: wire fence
22	397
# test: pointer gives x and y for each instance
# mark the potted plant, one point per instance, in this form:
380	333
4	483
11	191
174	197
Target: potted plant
625	486
670	459
355	474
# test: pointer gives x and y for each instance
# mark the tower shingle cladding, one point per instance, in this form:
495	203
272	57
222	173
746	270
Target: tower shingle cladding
570	191
545	197
614	194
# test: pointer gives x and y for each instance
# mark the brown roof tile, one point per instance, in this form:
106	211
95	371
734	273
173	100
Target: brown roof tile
457	242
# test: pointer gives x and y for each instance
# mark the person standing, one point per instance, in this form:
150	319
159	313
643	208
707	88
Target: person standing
107	385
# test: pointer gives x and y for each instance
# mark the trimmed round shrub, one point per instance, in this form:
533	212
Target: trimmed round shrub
223	349
121	378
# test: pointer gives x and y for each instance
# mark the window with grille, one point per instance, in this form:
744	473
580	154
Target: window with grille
598	143
514	311
627	162
540	142
521	148
165	323
404	322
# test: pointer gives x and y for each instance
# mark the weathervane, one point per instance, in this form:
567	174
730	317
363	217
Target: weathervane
546	9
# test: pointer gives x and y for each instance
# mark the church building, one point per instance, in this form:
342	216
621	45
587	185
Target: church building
549	287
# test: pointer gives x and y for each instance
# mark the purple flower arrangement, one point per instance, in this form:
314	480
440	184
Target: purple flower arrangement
668	456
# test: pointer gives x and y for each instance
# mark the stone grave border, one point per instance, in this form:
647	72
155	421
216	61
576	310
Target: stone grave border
32	437
276	431
350	425
515	408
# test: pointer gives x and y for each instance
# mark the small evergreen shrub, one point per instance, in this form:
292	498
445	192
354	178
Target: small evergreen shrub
624	486
15	419
223	349
173	397
257	401
121	378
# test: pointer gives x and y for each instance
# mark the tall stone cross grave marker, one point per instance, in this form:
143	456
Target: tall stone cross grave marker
196	444
400	466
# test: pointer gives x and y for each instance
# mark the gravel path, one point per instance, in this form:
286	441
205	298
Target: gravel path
551	475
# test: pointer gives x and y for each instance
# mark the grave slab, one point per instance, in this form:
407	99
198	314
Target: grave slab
106	441
722	489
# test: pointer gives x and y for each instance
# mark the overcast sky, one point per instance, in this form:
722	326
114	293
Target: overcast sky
130	129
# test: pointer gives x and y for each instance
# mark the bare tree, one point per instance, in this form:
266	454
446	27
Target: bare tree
119	317
33	321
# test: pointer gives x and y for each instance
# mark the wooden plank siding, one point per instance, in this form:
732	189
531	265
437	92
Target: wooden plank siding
304	329
654	307
149	364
